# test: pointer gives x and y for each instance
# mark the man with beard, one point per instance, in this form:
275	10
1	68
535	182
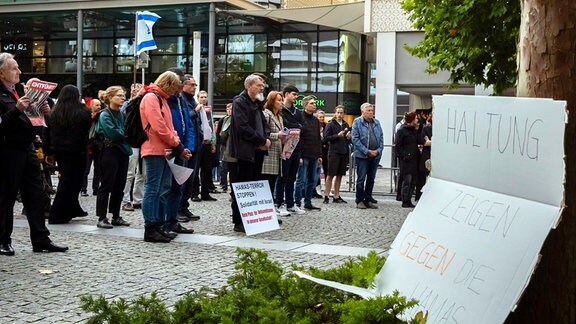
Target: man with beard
247	139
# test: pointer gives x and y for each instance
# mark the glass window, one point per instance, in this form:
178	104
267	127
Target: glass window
328	52
349	82
350	54
327	82
302	81
241	43
240	62
298	52
124	46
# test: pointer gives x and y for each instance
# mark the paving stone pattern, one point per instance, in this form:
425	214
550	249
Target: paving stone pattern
46	287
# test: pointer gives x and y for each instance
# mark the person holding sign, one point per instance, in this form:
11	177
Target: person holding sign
19	165
368	140
247	139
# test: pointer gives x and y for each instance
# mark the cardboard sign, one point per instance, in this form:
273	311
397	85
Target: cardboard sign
468	249
509	145
256	206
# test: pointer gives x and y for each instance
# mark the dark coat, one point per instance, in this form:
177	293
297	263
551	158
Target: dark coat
310	140
73	138
246	128
337	144
16	130
407	147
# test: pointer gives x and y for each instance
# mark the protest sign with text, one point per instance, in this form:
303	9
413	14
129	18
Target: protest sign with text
37	91
469	248
256	206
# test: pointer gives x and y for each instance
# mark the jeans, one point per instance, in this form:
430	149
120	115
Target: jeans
134	179
366	172
306	179
173	201
156	189
285	183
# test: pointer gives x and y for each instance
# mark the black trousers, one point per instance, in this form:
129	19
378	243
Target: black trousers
202	175
94	157
114	169
20	170
71	166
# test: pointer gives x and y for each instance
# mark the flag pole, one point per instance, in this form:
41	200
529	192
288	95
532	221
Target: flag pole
135	49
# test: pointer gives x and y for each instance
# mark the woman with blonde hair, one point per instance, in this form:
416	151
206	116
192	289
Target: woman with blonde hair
162	139
113	159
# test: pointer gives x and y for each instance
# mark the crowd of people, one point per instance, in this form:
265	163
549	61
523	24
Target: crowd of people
252	142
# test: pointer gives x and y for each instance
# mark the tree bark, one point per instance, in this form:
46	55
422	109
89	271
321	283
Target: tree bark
547	69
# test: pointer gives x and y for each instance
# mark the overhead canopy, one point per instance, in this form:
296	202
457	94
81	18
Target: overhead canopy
349	16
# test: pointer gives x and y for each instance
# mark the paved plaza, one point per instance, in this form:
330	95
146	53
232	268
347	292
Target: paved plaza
46	287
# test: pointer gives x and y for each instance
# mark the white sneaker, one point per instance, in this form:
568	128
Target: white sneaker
282	211
296	210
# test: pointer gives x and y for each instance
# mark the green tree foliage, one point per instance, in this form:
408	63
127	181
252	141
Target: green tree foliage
261	291
473	39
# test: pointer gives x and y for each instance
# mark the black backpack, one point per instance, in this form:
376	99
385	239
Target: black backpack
134	133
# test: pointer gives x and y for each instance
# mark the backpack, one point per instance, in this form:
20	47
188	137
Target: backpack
95	141
134	132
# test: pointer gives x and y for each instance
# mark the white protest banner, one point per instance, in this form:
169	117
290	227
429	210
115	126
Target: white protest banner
509	145
469	248
256	206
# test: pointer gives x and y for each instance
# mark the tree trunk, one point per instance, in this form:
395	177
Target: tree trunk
547	69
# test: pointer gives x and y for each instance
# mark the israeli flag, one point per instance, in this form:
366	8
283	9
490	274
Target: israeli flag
144	38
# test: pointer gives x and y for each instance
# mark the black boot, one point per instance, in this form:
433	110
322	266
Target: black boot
153	234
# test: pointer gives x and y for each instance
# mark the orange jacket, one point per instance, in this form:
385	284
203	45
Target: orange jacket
161	134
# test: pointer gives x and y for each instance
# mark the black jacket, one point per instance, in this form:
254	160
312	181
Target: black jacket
338	144
310	140
407	141
246	128
71	139
16	130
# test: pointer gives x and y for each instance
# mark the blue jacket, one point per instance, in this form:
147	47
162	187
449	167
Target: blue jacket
360	133
186	131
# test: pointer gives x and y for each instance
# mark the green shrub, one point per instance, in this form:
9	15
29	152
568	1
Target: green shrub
260	291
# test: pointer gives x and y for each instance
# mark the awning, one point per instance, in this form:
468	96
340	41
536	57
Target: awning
348	16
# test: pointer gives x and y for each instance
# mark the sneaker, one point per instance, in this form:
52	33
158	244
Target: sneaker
296	210
326	200
361	205
282	211
371	205
128	207
339	200
120	222
104	224
137	206
374	201
312	207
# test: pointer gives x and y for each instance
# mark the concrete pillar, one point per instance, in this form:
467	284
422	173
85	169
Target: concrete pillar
386	90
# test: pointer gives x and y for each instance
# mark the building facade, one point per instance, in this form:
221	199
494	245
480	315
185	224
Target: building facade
45	37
